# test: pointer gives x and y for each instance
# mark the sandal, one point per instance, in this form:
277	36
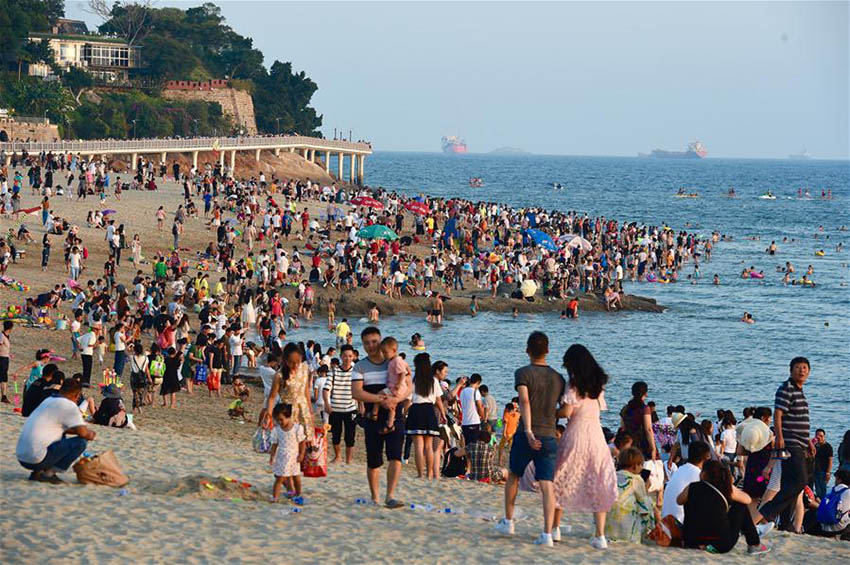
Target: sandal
392	503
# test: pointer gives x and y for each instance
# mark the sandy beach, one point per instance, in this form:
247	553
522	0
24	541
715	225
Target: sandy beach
163	519
166	516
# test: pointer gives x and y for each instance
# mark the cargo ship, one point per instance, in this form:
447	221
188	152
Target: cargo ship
453	144
804	156
696	150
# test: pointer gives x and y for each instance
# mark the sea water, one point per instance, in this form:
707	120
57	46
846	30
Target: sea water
698	353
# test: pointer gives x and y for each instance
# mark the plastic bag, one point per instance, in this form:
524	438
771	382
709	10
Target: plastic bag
315	463
262	440
667	532
100	469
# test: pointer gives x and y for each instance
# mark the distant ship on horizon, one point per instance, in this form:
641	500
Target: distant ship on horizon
453	144
696	150
803	156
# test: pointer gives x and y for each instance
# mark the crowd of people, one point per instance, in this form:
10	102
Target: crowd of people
178	329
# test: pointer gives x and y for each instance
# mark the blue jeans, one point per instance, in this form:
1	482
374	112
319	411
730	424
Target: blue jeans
120	360
60	454
820	483
237	364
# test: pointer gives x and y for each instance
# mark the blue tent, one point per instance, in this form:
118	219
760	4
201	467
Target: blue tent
542	239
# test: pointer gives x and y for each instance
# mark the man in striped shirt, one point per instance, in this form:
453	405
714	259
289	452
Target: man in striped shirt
339	404
791	423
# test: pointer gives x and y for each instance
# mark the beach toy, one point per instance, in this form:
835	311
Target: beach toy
209	486
448	510
756	275
299	500
235	500
819	253
246	485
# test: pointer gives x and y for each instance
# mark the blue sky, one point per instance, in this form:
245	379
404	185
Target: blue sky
761	79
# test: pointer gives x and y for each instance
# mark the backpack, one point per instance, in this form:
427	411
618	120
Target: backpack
157	368
828	511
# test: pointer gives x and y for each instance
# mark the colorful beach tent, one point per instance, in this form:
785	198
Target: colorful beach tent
377	231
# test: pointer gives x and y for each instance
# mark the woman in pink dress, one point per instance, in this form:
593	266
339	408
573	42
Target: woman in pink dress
585	478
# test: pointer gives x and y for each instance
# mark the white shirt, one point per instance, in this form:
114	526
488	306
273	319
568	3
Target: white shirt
45	426
267	377
87	343
729	441
319	386
119	341
684	475
436	392
468	398
236	345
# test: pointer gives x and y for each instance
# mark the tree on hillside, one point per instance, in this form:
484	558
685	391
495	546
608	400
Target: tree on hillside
77	81
286	95
128	19
17	19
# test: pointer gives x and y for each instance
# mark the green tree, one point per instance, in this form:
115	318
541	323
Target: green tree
286	95
77	81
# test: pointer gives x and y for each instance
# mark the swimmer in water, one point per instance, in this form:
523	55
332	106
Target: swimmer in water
515	312
374	314
748	318
786	279
716	281
771	250
473	306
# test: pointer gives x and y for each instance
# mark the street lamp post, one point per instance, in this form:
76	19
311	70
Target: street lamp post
278	125
196	126
134	127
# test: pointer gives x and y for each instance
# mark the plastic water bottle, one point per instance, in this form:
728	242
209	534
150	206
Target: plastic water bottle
123	492
448	510
418	507
361	501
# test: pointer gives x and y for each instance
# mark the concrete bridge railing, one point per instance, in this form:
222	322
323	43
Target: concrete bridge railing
310	148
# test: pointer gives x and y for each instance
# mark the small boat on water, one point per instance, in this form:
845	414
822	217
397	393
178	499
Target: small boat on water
683	194
476	182
557	186
767	196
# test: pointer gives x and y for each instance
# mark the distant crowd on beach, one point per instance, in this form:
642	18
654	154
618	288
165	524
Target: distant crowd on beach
174	329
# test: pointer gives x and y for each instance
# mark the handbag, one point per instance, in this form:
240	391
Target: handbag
100	469
655	482
667	532
200	373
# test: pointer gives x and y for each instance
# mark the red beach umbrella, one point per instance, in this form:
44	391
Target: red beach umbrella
366	201
417	208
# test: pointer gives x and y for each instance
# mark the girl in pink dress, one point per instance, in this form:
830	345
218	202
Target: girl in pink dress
585	478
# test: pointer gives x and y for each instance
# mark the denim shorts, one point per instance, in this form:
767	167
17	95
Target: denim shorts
544	458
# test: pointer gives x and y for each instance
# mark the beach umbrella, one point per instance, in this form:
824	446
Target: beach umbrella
417	208
580	242
366	201
377	231
109	211
528	288
31	211
542	239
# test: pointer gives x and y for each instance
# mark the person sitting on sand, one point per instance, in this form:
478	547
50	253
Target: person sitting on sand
716	513
397	371
239	389
634	514
42	446
111	411
479	456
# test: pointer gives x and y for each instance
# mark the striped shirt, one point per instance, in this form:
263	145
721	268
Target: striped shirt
795	414
338	383
371	374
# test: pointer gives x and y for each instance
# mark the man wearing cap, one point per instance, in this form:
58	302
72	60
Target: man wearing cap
87	343
43	447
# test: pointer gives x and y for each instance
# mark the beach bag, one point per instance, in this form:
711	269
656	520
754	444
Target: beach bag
315	463
200	373
100	469
667	532
157	368
655	481
828	512
262	440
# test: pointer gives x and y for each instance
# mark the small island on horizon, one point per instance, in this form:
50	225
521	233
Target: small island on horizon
507	150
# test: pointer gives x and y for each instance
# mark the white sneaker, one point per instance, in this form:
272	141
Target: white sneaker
556	534
544	539
765	528
505	527
599	543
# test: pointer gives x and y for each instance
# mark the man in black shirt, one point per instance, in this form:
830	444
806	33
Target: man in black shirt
50	381
823	463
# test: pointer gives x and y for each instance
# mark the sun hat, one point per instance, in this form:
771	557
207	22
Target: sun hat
677	418
754	435
111	391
